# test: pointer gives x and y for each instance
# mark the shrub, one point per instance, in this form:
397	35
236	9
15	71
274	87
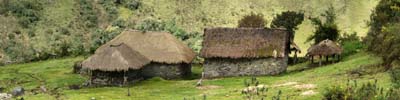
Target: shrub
27	11
253	20
367	91
133	4
87	14
350	43
395	77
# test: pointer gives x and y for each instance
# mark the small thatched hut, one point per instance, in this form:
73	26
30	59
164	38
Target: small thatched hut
244	51
136	54
324	48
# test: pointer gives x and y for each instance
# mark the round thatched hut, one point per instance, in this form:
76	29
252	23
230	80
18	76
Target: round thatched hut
325	48
135	54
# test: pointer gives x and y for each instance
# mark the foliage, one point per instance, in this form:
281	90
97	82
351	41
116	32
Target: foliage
367	91
87	13
28	11
289	20
133	4
327	29
383	33
350	43
111	8
395	77
253	20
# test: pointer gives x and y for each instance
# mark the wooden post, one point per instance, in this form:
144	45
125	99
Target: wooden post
90	77
125	83
327	58
295	56
312	59
320	60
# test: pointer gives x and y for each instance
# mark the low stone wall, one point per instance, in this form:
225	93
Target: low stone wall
223	67
166	71
102	78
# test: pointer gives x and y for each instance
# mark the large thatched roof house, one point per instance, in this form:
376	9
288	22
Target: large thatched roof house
244	51
137	54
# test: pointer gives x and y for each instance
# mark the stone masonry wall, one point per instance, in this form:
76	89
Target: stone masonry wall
223	67
166	71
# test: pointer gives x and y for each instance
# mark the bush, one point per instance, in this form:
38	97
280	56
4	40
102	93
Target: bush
133	4
27	11
253	20
111	8
350	43
88	14
368	91
395	77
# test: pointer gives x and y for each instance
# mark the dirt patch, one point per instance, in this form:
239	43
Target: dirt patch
208	87
308	93
305	86
286	84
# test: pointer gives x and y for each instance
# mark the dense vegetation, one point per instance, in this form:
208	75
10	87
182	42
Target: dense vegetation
383	34
326	28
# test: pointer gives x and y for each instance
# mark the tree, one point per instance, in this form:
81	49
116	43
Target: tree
383	37
253	20
289	20
327	29
390	44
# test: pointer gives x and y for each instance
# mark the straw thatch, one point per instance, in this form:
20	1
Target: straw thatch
115	58
160	47
325	48
244	43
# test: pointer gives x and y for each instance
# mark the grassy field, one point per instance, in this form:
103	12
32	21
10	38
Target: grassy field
56	75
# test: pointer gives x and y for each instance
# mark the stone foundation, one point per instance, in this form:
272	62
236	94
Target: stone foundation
166	71
224	67
102	78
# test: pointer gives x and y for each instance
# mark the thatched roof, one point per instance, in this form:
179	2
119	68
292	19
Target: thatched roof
324	48
161	47
244	43
115	58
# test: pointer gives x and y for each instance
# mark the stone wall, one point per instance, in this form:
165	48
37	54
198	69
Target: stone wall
103	78
166	71
223	67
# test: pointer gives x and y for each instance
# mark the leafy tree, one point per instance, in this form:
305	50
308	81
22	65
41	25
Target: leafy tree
289	20
327	29
383	34
253	20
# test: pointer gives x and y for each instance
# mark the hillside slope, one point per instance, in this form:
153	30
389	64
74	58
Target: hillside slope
76	27
56	75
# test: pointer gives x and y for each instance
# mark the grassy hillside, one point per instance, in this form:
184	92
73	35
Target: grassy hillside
56	75
76	27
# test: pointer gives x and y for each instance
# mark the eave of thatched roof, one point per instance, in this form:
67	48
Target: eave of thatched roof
324	48
244	43
115	58
161	47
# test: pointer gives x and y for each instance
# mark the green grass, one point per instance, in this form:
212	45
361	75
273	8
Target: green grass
58	74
